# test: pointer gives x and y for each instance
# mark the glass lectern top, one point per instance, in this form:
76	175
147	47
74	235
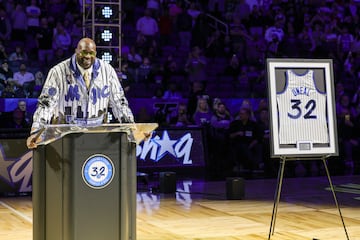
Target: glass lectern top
137	132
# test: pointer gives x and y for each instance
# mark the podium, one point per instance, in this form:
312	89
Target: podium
84	182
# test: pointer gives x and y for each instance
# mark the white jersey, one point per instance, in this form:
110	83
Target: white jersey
65	98
302	110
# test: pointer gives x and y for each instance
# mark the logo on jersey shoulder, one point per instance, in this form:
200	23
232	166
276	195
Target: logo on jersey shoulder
98	171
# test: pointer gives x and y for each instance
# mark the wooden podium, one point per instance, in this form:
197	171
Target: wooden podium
84	182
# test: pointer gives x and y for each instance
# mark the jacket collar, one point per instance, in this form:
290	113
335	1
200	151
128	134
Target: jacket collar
76	71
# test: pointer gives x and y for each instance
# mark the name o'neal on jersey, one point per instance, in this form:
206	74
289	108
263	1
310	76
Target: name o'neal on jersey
301	91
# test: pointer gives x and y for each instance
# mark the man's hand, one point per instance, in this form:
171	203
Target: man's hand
33	140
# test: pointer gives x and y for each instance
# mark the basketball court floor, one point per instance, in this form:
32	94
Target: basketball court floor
200	210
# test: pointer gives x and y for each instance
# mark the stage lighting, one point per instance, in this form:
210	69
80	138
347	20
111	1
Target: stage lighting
107	36
109	55
107	13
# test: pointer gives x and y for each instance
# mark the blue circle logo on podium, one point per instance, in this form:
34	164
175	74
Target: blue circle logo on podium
98	171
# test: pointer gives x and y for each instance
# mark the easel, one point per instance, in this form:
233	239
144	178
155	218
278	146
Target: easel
283	160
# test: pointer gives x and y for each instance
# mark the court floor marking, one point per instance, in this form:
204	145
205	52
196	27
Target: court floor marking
18	213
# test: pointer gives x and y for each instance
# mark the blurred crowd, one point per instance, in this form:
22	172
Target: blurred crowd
198	53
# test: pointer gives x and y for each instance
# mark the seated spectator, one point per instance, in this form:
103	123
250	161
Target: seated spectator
24	81
172	92
39	82
195	65
3	54
179	118
5	70
18	55
17	120
23	107
9	90
159	93
244	136
126	78
62	38
145	71
203	114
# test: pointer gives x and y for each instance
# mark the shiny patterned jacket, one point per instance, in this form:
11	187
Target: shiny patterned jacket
65	99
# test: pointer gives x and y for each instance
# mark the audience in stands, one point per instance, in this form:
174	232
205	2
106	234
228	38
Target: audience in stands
19	55
175	44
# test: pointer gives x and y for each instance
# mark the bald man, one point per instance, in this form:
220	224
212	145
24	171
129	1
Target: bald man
68	98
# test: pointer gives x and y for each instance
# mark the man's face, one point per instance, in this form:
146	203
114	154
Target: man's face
243	115
86	54
22	105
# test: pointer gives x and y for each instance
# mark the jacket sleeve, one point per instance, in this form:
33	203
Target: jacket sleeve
118	101
47	102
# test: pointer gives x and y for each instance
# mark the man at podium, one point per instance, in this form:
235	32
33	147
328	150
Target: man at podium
79	90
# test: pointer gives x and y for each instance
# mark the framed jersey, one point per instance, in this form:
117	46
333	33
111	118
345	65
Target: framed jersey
302	107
